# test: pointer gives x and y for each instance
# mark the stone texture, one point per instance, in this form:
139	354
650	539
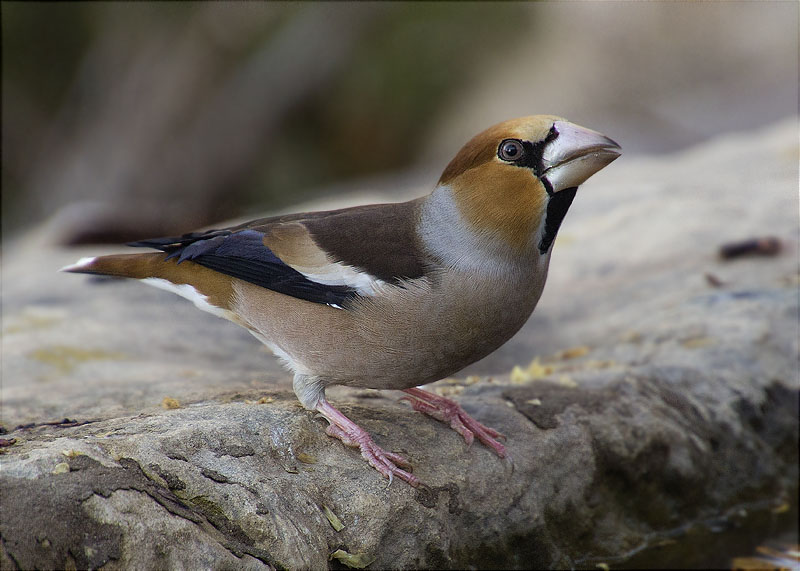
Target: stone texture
664	400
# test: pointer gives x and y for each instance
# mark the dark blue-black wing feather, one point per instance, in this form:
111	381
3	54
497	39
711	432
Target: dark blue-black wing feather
242	254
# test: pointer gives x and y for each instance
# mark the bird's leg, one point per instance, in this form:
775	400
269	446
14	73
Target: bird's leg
387	463
448	411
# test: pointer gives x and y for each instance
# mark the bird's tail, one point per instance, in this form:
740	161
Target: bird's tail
209	290
138	266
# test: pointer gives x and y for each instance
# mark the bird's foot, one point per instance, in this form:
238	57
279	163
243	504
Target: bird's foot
450	412
387	463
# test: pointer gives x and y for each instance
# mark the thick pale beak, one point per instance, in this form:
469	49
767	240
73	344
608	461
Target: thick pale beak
575	155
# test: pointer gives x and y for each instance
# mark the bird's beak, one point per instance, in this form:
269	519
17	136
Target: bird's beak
575	155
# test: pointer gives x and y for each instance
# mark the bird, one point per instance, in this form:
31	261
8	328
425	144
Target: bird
394	295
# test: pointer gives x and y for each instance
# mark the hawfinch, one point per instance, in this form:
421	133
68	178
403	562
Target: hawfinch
391	296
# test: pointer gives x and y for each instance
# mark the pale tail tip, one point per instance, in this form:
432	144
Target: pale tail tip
81	264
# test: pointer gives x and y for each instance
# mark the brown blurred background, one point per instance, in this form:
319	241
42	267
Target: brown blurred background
130	120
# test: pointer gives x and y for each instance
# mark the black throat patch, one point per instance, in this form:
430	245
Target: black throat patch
557	208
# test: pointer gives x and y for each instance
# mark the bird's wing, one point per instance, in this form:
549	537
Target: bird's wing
323	257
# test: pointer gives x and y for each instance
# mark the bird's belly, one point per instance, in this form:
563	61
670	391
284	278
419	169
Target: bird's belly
407	337
420	336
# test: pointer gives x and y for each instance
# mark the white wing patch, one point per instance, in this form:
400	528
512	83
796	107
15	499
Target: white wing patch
295	246
338	274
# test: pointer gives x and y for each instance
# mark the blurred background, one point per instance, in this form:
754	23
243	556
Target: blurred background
129	120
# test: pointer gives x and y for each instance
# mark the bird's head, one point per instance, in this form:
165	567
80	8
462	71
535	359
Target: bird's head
515	181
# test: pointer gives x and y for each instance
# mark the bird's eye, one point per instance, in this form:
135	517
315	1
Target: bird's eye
510	150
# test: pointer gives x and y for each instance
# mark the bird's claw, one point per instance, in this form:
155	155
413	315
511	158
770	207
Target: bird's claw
450	412
387	463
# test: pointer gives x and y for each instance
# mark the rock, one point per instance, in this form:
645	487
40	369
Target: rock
663	404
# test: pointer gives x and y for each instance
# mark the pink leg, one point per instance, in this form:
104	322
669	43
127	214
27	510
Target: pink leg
448	411
387	463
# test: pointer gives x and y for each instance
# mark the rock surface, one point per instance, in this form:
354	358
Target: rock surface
664	397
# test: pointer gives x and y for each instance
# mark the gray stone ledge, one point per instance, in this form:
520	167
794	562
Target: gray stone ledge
678	409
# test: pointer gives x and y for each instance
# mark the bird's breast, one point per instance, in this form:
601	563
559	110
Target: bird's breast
434	328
